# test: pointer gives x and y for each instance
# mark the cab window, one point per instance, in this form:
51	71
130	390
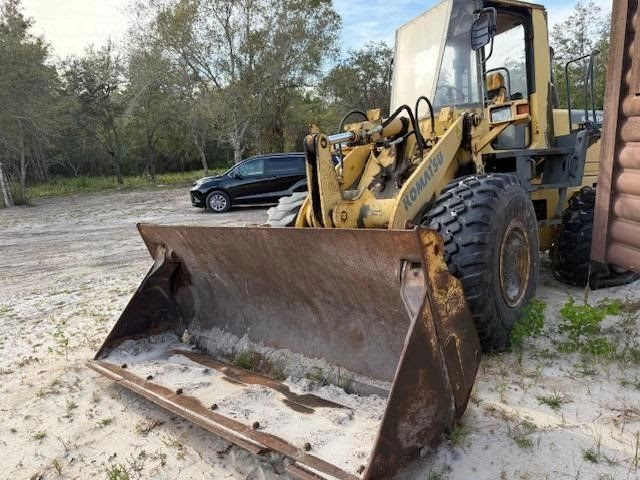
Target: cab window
251	168
506	76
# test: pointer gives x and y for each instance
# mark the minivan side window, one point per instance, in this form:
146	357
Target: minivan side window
285	165
251	168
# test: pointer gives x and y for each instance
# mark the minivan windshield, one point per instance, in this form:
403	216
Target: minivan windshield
434	58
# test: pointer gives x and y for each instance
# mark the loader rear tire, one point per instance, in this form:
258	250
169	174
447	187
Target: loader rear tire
570	253
284	214
490	235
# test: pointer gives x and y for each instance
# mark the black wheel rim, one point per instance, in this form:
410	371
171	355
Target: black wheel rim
515	263
217	202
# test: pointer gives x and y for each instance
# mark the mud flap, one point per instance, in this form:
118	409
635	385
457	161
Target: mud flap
242	316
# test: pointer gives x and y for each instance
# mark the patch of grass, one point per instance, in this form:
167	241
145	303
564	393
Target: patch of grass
143	428
581	324
529	325
458	434
554	402
278	373
57	466
71	405
317	376
103	422
247	360
592	454
40	435
521	434
70	186
19	195
117	472
434	475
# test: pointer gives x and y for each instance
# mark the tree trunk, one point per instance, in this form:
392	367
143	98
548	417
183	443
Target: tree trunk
203	155
6	191
119	172
23	161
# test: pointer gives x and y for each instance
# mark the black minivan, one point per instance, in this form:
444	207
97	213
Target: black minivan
257	180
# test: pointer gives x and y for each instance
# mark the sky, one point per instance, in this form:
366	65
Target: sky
71	25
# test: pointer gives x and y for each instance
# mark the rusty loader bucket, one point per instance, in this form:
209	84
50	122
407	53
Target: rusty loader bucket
346	351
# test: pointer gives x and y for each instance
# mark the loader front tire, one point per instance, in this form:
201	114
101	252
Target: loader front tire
490	235
570	253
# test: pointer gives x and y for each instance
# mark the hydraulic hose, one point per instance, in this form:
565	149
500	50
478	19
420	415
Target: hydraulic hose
433	120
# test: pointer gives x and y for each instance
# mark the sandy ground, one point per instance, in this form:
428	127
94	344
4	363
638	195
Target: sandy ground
68	268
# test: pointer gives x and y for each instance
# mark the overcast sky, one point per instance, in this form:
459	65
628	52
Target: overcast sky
70	25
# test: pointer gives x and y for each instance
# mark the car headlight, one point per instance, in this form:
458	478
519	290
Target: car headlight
501	114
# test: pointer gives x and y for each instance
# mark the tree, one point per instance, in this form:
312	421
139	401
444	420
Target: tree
247	55
362	80
151	98
27	90
97	80
586	30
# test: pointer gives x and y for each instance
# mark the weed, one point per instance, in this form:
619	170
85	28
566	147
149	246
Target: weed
143	428
61	340
434	475
57	466
247	360
554	402
40	435
521	434
105	421
458	434
277	373
317	376
581	324
592	454
117	472
600	347
529	325
71	405
20	195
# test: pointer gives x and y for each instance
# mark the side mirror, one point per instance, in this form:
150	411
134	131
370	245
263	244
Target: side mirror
235	174
484	29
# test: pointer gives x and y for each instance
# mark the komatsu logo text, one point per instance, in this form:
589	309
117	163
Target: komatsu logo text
414	193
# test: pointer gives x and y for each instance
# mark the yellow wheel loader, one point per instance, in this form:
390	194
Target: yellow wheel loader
347	345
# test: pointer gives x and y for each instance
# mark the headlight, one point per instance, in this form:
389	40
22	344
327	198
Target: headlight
500	115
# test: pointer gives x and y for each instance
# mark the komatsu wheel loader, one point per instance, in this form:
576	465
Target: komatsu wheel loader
348	344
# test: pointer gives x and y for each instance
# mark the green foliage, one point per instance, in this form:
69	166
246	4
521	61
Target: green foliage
521	434
60	186
317	376
20	195
247	360
584	31
581	324
554	402
117	472
529	325
458	434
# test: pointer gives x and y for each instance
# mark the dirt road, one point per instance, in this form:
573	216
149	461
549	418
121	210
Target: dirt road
68	267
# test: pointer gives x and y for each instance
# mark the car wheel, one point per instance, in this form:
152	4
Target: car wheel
218	202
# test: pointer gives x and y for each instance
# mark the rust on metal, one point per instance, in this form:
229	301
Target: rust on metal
301	402
377	303
616	230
